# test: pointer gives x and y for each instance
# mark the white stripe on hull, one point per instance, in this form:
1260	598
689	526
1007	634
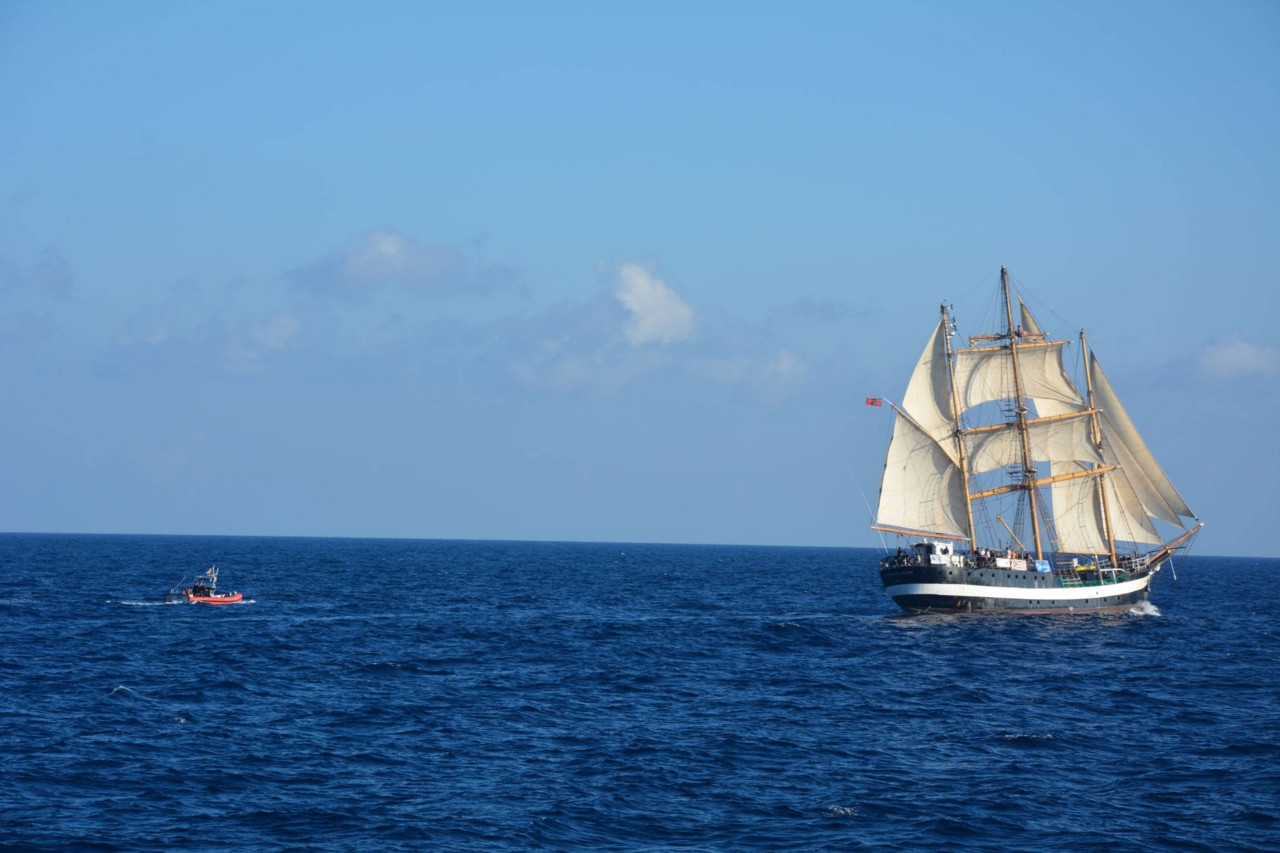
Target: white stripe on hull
1065	593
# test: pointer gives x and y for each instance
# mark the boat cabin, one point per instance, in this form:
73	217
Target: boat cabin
937	554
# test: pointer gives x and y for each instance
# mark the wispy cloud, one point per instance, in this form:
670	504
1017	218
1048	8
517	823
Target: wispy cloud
658	314
610	343
387	258
1238	357
51	275
602	346
786	367
575	349
244	352
196	328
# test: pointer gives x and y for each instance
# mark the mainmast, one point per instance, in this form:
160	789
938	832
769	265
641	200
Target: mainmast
1020	404
955	422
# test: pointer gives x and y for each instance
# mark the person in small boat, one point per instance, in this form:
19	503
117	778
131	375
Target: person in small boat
199	589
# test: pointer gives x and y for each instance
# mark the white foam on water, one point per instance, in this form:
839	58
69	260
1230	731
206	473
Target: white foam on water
843	811
1145	608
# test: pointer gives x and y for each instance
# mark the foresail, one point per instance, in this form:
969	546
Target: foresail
922	488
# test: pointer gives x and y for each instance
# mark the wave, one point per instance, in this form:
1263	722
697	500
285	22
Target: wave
1145	608
1029	739
569	706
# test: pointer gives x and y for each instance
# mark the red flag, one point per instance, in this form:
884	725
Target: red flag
875	401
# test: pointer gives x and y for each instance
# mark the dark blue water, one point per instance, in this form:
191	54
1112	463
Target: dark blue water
484	695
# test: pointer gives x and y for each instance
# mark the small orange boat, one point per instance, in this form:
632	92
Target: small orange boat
204	590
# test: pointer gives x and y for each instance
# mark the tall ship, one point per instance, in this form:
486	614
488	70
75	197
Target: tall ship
1011	490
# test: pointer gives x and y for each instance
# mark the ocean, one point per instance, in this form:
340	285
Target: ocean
449	695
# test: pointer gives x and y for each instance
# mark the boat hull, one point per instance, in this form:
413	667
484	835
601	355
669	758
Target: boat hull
231	598
929	589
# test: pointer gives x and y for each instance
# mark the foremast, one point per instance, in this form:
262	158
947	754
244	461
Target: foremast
962	454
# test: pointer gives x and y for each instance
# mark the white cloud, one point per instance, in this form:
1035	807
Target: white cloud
244	352
786	368
609	344
385	257
658	314
1238	357
573	349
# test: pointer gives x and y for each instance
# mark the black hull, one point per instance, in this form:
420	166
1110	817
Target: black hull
950	589
966	604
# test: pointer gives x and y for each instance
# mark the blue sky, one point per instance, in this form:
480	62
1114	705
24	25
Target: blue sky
605	271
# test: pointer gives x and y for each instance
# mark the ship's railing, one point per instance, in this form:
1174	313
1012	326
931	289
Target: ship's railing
1087	578
1066	574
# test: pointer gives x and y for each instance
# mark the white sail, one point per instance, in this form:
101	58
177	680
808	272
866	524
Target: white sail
986	374
922	488
1029	324
928	397
999	430
1161	498
1067	440
1133	499
1130	520
1145	495
1078	513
